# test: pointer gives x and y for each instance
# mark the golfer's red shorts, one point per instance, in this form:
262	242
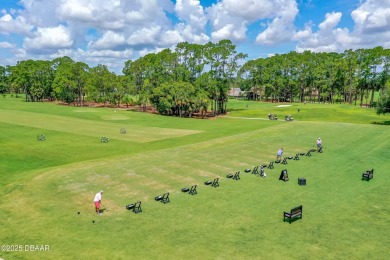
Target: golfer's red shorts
97	204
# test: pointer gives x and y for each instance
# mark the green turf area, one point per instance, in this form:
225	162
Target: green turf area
44	184
307	112
90	128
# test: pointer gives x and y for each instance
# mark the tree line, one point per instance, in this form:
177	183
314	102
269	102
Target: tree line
194	78
349	77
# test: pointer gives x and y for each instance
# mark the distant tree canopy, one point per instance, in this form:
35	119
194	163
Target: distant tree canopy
4	88
322	77
384	104
209	70
194	78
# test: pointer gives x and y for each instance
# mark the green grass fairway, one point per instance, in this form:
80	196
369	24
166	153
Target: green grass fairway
307	112
44	184
140	134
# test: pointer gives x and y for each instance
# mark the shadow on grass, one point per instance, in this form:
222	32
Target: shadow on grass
381	123
101	211
292	220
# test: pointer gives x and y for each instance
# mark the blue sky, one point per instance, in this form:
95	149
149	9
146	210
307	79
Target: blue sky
110	32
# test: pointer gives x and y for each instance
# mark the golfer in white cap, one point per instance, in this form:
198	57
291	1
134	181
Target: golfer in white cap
319	144
97	201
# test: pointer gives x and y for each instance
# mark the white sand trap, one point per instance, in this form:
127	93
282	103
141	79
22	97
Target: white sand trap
284	106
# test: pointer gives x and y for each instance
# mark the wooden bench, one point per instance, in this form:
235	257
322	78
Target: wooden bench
368	175
293	214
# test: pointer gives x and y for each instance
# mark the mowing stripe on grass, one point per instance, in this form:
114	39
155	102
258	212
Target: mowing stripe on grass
135	133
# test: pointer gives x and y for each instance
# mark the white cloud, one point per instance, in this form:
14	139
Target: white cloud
115	14
191	25
224	32
113	59
281	29
78	10
371	28
6	18
91	30
111	54
109	31
186	33
251	10
147	12
40	13
303	34
278	31
146	51
230	19
21	54
324	39
145	36
192	13
201	39
171	37
109	40
373	16
230	31
49	38
331	20
19	25
7	45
